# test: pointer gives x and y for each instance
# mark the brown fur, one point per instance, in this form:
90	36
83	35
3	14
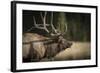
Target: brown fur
43	49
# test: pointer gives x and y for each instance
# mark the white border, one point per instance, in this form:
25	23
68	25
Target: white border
35	65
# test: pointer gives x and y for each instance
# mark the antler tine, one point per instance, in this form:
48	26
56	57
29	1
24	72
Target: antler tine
41	16
45	14
44	21
55	30
41	26
35	23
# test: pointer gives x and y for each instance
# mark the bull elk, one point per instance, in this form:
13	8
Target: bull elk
36	46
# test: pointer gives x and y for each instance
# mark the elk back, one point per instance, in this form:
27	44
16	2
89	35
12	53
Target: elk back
29	43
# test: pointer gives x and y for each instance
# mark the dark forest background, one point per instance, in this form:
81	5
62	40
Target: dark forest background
78	24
